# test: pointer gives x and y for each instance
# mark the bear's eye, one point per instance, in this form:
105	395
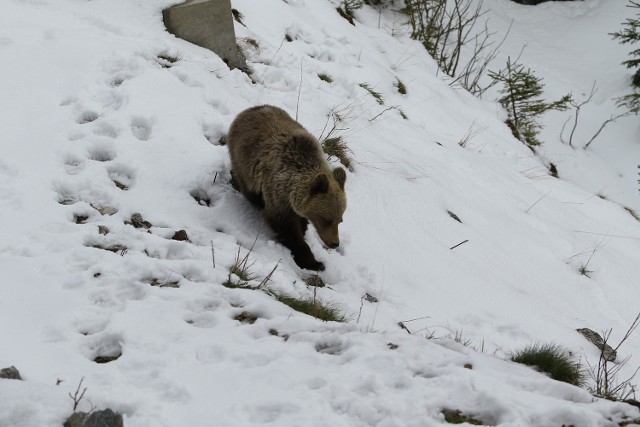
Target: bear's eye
327	222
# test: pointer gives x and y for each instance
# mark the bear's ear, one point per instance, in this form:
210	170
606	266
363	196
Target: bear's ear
341	176
320	184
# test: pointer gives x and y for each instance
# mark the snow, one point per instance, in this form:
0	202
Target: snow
86	102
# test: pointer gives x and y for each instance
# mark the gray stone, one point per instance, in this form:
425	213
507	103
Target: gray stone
206	23
315	281
246	317
10	373
138	222
608	353
181	236
105	418
105	210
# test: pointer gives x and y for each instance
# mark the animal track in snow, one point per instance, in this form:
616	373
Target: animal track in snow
186	79
270	412
91	326
72	192
214	132
101	152
81	216
202	197
116	81
320	53
210	188
201	320
141	127
104	348
65	198
76	134
202	313
87	116
68	101
218	104
213	353
171	250
106	129
316	383
202	305
123	176
123	69
333	344
73	164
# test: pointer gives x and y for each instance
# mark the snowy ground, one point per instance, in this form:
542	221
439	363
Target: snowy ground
88	102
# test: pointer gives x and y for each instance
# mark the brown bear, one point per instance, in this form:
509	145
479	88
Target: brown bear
279	166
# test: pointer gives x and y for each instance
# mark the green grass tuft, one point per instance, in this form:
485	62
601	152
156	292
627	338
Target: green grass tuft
376	95
325	77
326	311
251	42
106	359
240	269
336	147
345	15
553	360
632	212
585	271
166	60
454	416
402	89
238	16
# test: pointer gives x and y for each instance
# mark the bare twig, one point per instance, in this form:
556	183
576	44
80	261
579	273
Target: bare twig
268	276
213	255
241	266
536	202
375	313
360	311
402	326
596	247
604	374
272	58
461	243
393	107
471	133
577	107
606	122
446	29
78	395
299	90
417	318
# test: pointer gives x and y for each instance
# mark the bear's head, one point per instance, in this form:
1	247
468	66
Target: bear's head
325	205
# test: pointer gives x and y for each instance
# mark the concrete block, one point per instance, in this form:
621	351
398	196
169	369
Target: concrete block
206	23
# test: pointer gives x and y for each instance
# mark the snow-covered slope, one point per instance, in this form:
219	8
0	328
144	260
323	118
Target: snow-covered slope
569	45
88	101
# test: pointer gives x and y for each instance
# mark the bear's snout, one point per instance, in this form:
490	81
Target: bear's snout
334	245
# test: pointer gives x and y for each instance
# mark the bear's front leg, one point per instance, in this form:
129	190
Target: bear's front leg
290	232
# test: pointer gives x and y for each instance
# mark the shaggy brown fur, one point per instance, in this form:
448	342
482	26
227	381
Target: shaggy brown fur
279	166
